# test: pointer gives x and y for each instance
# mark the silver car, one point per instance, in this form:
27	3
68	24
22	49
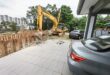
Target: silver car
90	57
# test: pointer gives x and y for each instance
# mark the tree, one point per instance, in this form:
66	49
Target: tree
67	17
52	9
13	26
31	13
5	24
82	22
8	26
100	22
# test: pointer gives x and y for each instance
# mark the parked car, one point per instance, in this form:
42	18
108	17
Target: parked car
76	34
90	57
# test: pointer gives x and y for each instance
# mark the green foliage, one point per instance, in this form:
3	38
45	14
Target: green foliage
9	26
13	26
35	24
82	22
5	24
101	21
32	12
52	9
67	17
66	14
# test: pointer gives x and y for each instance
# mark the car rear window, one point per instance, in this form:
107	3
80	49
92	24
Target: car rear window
98	43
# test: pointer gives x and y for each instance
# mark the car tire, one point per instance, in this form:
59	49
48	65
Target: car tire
70	37
79	37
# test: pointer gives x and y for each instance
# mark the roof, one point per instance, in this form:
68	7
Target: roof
95	6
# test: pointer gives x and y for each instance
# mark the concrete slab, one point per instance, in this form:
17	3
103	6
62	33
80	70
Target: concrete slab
48	58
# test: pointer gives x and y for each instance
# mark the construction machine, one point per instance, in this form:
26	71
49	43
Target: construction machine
54	30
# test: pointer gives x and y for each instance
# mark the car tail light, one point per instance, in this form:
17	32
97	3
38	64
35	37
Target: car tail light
76	57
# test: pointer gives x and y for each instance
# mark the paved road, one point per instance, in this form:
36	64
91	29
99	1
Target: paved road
48	58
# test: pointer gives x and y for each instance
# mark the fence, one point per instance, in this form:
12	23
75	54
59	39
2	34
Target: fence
10	43
101	32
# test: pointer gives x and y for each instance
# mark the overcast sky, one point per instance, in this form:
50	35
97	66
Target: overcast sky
18	8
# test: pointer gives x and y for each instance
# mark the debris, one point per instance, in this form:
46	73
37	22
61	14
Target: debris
60	42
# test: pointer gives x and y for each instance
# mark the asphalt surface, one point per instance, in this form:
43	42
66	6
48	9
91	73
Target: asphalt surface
48	58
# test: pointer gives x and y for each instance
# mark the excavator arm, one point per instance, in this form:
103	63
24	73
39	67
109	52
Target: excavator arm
40	14
39	18
53	19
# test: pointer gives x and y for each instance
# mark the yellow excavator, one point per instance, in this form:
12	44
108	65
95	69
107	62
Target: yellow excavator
55	30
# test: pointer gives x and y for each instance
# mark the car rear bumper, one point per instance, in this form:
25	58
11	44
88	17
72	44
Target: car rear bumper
74	37
75	67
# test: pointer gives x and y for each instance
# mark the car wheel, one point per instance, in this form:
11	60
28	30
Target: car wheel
69	36
79	37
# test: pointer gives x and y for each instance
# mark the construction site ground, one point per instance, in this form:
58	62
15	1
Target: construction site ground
46	58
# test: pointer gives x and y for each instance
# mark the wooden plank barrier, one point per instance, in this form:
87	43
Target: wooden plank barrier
10	43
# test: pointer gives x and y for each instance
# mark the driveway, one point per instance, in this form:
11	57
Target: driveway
48	58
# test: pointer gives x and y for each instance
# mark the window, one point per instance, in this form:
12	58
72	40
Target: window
102	26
